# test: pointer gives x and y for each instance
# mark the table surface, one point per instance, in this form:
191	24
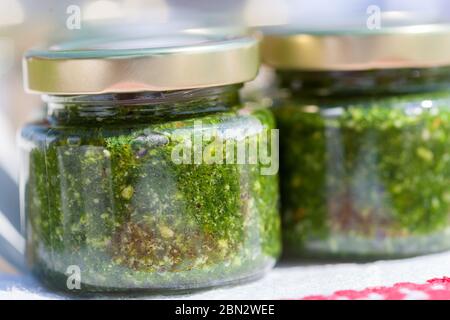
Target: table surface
287	281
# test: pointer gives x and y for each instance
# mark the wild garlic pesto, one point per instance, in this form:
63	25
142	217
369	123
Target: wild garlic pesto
366	176
131	218
364	119
139	190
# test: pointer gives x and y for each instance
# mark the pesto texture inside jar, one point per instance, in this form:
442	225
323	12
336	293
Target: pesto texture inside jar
365	162
104	194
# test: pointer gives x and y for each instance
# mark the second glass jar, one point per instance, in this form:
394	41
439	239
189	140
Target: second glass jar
365	158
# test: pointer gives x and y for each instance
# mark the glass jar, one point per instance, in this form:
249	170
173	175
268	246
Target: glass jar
130	189
365	145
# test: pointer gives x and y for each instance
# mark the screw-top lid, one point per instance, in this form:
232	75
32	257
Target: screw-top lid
157	63
418	46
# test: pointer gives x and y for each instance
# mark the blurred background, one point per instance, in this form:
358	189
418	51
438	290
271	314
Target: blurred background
27	23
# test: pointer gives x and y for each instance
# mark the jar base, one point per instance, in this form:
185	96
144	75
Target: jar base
56	282
351	248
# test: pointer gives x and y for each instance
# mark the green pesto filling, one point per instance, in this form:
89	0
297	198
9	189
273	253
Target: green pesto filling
111	201
366	176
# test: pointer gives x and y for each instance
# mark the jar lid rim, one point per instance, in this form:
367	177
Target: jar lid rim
182	60
353	49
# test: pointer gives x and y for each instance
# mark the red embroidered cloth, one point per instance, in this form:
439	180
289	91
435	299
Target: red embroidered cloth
434	289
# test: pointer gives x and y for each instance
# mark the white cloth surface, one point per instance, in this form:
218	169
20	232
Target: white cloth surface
288	280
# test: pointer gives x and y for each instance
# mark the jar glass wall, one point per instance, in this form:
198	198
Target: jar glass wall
365	162
105	194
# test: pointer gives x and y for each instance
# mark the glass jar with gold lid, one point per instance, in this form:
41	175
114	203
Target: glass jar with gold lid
130	182
364	118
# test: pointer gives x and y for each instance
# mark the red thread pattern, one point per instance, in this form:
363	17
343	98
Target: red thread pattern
434	289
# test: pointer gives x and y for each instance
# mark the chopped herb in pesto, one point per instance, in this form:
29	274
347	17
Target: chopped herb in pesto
107	197
365	174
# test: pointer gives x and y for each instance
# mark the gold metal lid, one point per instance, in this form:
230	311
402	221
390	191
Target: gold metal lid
421	46
157	63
